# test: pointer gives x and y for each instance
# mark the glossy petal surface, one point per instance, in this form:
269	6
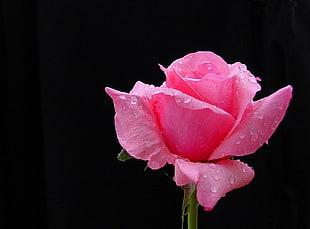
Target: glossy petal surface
213	180
137	130
259	122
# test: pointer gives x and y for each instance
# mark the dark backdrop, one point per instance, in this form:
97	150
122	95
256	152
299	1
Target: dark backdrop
61	169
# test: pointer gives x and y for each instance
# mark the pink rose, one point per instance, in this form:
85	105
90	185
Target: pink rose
197	120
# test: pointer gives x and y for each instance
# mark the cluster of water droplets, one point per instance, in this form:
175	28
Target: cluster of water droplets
216	176
185	100
132	104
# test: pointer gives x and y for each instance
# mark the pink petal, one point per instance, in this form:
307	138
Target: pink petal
175	80
190	127
194	66
260	121
213	180
244	88
201	63
137	130
214	89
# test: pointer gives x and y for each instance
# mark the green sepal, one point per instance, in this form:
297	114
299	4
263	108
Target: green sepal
123	156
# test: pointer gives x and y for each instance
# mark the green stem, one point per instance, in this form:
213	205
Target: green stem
192	216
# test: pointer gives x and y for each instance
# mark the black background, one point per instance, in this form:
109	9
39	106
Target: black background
61	169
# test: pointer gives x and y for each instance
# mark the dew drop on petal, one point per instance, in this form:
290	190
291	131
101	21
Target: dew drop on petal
231	180
276	120
187	100
154	164
242	67
242	136
260	116
254	134
243	169
133	100
209	67
211	165
213	189
177	100
215	177
252	80
280	106
122	97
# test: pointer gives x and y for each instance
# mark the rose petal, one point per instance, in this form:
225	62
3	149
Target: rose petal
137	130
200	63
190	127
213	180
259	123
194	66
245	87
214	89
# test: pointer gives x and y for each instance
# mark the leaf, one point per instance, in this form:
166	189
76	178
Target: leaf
123	156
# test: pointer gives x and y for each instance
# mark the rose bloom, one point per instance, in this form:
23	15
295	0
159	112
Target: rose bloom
202	116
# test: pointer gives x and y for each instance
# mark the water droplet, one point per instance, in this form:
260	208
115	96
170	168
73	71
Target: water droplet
252	80
148	144
260	116
215	177
231	180
254	134
242	67
213	189
204	175
280	106
133	100
266	123
122	97
177	99
211	165
209	66
254	137
276	120
187	100
154	164
238	142
242	136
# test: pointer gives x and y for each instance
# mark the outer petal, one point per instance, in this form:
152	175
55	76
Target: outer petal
213	180
259	123
137	130
244	89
